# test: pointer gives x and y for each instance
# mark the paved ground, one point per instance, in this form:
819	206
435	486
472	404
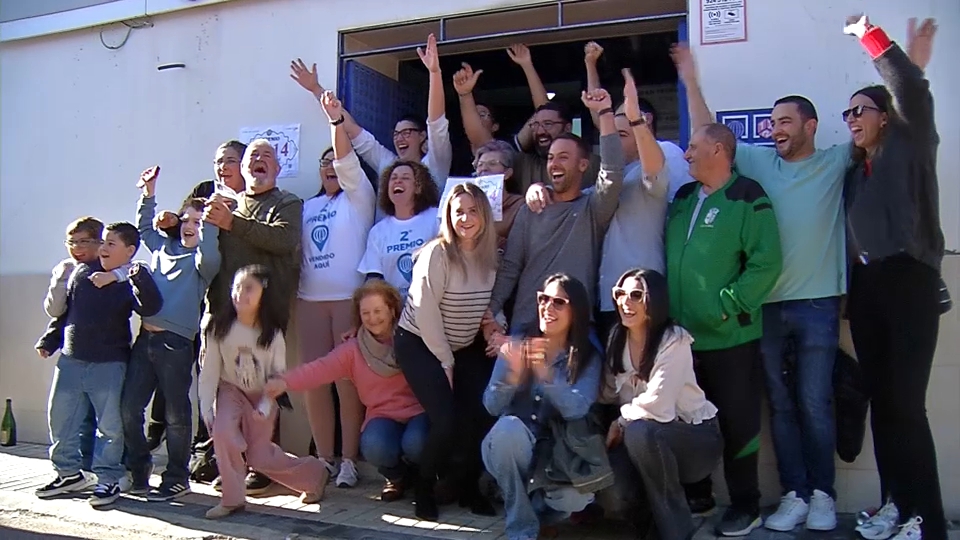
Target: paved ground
349	514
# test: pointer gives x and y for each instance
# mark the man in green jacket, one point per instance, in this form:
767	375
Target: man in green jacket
723	259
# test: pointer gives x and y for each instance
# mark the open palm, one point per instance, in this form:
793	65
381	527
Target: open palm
920	41
306	78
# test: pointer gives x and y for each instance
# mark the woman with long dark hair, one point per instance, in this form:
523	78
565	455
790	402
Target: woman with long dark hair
666	428
893	225
540	385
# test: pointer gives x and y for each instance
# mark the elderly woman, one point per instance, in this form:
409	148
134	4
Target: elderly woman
496	157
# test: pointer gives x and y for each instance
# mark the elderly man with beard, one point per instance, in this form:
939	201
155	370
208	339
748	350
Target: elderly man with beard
264	228
568	234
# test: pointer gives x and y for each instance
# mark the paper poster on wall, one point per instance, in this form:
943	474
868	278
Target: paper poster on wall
723	21
286	143
492	185
753	126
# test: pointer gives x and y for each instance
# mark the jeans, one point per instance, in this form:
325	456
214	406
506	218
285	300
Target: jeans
801	403
161	360
76	386
508	455
894	308
390	444
88	436
666	455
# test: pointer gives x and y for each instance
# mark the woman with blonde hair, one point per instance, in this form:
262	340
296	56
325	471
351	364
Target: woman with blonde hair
439	345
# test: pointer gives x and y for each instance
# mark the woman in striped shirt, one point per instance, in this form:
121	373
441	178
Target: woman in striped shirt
439	346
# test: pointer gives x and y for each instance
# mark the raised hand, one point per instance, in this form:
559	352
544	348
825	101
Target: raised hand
306	78
148	181
856	25
165	220
686	65
920	41
430	57
596	100
520	55
592	52
631	103
332	106
465	79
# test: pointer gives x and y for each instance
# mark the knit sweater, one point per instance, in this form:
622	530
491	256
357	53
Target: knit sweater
445	305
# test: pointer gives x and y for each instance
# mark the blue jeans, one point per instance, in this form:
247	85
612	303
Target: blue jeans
508	456
390	444
76	386
88	436
161	360
801	396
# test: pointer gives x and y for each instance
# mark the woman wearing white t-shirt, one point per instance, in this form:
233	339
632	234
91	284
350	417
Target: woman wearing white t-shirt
408	197
335	226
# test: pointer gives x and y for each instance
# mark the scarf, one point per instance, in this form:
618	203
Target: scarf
379	356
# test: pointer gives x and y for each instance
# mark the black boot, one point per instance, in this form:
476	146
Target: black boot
470	497
425	501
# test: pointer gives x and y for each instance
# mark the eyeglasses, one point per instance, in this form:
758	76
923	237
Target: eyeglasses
488	164
405	133
545	300
634	295
857	111
86	242
227	161
326	162
546	125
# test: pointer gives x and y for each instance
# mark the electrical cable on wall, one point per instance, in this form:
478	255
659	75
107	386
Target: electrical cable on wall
131	26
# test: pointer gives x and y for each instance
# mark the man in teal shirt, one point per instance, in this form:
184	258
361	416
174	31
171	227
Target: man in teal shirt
806	187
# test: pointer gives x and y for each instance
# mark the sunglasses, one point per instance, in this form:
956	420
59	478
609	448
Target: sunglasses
857	111
634	295
545	300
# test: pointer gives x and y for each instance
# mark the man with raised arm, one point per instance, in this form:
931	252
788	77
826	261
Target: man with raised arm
806	187
568	234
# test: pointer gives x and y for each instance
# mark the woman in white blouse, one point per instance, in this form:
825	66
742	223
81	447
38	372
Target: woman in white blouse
666	427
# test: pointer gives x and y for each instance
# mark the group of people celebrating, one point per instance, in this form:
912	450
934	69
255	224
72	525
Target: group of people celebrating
608	335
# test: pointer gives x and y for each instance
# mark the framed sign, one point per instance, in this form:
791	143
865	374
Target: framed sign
751	126
723	21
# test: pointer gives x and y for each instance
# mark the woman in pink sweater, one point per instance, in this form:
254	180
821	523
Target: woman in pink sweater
395	427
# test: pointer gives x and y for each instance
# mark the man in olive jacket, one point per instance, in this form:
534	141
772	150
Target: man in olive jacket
723	259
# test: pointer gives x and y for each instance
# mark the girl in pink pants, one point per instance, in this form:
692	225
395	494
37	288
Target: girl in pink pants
242	350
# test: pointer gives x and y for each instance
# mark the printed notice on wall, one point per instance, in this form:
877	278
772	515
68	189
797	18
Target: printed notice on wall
492	185
723	21
286	144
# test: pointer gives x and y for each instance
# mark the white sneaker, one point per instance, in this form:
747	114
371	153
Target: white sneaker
823	512
910	530
331	468
881	525
348	476
791	512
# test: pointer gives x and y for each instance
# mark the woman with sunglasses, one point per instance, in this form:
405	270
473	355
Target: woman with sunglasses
893	225
335	226
552	375
439	346
666	431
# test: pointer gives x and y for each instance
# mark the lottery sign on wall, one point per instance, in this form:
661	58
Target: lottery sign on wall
492	185
286	144
723	21
752	126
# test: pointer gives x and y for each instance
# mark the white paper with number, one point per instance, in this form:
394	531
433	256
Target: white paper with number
492	185
286	144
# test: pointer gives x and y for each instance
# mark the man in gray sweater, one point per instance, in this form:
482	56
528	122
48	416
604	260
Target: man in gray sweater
567	235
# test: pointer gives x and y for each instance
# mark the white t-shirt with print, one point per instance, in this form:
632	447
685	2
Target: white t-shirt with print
334	235
391	244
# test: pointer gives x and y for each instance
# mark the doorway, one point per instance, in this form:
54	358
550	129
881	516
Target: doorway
382	79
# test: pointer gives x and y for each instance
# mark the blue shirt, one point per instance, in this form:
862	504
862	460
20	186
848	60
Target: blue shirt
807	198
535	401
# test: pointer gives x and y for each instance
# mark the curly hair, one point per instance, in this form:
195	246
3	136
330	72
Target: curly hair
389	293
426	195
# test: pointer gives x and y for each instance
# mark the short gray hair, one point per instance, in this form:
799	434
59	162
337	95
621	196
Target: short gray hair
505	149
